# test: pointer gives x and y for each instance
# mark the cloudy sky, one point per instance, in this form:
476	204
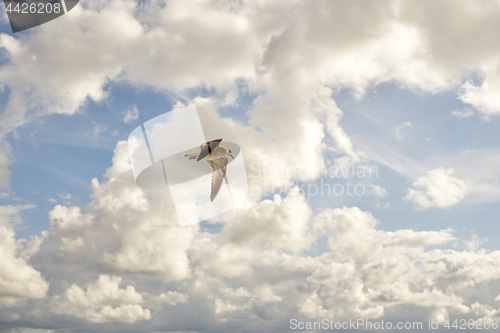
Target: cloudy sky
370	136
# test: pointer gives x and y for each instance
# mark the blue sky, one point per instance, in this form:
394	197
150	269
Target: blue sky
373	119
304	89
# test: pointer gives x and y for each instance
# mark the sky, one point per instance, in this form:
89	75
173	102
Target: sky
369	131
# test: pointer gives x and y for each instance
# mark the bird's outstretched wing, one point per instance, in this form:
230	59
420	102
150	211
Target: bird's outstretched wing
207	148
219	167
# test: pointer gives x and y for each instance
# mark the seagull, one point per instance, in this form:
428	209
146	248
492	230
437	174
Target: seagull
216	156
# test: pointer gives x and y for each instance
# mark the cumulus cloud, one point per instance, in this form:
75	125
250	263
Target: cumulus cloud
438	188
151	49
173	298
131	264
483	97
270	139
378	269
139	54
122	258
138	38
102	301
278	223
18	279
141	233
271	53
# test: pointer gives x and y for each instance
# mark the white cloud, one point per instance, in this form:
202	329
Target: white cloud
102	301
253	273
63	197
140	56
378	191
382	269
483	97
137	47
464	113
480	173
438	188
271	138
18	279
142	235
279	223
111	260
257	48
271	53
173	298
397	129
131	115
98	130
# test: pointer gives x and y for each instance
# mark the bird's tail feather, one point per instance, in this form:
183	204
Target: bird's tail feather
191	156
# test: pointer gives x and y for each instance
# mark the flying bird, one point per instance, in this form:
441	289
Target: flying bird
216	156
